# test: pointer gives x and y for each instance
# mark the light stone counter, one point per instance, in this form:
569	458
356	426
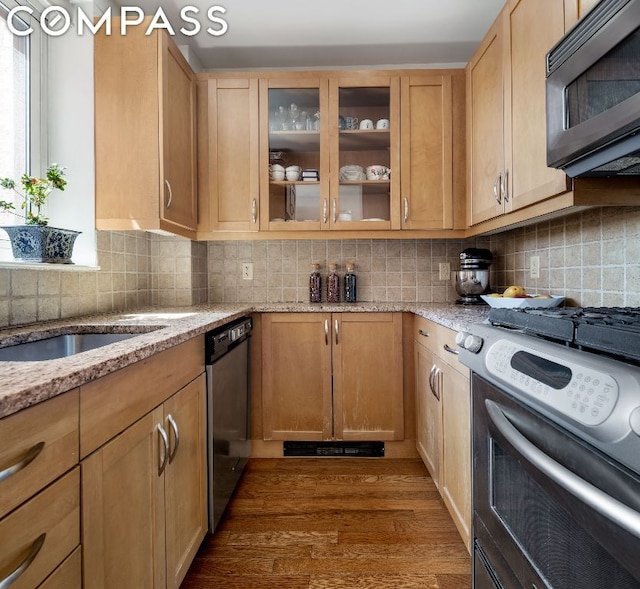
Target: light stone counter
23	384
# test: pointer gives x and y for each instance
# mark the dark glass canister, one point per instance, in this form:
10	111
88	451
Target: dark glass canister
350	284
315	284
333	285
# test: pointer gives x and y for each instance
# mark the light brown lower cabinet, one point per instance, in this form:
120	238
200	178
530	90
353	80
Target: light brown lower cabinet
443	419
37	537
144	497
332	376
40	495
68	575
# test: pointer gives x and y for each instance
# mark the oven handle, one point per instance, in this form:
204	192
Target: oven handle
619	513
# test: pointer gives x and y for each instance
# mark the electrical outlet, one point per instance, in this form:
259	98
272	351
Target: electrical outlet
534	267
247	271
444	271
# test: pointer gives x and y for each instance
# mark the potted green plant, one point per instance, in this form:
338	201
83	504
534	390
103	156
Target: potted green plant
35	241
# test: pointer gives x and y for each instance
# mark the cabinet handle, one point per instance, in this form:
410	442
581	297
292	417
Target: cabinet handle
26	562
504	186
496	190
325	210
254	210
165	455
335	210
432	381
406	210
176	435
326	332
170	193
423	333
451	350
337	327
28	458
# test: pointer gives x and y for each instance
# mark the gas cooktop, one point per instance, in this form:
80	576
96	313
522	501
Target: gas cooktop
610	330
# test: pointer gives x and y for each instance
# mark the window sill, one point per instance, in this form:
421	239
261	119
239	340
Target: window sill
47	266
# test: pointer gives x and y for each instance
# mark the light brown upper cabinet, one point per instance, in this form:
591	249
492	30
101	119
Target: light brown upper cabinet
328	127
294	132
228	174
364	121
506	131
314	124
432	194
485	127
532	28
145	134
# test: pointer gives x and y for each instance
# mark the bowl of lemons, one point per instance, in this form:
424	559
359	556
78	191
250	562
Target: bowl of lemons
516	296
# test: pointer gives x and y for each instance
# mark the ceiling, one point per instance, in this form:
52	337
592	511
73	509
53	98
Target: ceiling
335	33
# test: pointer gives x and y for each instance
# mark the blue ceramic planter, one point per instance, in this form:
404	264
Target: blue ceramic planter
35	243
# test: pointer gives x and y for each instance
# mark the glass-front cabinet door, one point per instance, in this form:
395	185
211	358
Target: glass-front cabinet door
364	138
294	147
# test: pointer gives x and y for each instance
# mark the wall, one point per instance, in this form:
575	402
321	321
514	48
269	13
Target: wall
387	270
137	269
178	271
593	257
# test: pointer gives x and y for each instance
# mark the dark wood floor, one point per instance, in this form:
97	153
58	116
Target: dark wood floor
333	523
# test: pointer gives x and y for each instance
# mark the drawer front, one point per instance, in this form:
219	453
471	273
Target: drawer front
52	515
68	575
38	445
438	339
112	403
425	333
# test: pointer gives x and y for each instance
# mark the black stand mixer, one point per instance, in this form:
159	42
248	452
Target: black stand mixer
472	280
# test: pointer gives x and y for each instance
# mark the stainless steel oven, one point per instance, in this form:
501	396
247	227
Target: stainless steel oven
556	461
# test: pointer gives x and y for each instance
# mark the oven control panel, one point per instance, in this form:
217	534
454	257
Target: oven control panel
579	392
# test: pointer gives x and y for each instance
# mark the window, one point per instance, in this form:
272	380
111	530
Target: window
20	103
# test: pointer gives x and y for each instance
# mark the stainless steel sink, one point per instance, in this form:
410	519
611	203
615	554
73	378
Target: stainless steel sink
60	346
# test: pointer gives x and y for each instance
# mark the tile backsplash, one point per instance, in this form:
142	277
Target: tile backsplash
592	257
387	270
136	269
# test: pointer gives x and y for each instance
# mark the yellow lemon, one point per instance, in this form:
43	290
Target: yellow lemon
515	291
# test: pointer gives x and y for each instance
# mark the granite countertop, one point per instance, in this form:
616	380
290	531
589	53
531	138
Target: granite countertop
23	384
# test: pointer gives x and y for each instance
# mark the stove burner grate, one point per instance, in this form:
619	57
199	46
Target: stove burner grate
610	330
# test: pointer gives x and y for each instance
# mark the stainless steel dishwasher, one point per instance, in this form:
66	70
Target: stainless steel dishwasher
228	435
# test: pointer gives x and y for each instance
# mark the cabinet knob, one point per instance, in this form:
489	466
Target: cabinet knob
325	210
496	190
254	210
406	210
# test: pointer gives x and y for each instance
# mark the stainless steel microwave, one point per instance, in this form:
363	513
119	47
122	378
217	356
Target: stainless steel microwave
593	94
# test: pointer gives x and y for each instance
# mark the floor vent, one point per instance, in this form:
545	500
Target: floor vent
343	449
